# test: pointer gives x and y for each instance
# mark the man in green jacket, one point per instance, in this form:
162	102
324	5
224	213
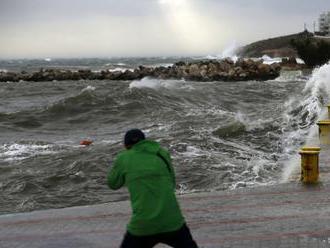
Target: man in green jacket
146	170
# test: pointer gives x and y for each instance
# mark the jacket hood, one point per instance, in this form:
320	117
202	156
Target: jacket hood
147	146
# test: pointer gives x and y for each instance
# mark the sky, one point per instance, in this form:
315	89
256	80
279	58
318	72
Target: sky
128	28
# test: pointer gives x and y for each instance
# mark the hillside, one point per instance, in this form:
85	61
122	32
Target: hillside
313	51
274	47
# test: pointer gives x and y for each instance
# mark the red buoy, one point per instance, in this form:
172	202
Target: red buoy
86	142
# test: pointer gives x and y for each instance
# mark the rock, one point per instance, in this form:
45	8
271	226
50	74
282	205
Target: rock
194	70
292	60
224	66
276	67
128	75
180	63
228	61
206	70
291	64
243	75
289	61
264	69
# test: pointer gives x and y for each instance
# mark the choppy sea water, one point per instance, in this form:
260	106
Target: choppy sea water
222	135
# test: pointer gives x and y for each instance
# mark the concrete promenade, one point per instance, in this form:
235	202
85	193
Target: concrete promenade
285	215
288	215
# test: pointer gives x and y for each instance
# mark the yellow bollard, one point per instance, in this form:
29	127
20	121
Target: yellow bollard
324	132
311	148
309	164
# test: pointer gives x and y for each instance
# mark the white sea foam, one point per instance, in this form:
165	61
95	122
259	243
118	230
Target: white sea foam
251	123
300	61
119	66
230	51
268	60
213	111
253	173
316	95
48	59
319	84
161	65
192	151
120	69
16	152
146	83
158	83
292	166
291	76
88	88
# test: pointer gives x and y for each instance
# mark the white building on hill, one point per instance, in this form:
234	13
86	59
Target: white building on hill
324	23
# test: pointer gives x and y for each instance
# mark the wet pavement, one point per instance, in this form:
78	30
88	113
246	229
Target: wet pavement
285	215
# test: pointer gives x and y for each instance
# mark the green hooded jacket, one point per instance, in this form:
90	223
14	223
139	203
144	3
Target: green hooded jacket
151	184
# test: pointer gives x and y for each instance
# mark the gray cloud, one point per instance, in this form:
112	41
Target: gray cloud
88	28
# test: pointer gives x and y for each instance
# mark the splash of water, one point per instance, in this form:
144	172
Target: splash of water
14	152
157	84
319	84
303	114
88	88
230	51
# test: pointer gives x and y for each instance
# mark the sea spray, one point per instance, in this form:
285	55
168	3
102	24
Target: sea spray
319	84
293	76
16	152
88	88
153	83
302	114
230	51
268	60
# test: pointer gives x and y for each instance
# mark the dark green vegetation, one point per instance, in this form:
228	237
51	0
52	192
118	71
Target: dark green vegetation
274	47
314	51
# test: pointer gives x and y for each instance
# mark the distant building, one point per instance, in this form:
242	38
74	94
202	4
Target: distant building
324	24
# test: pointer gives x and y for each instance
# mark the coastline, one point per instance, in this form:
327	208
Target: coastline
204	70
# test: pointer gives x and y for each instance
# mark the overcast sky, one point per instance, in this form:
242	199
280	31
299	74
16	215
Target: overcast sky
112	28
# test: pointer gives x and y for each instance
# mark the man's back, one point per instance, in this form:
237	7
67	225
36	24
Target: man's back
146	171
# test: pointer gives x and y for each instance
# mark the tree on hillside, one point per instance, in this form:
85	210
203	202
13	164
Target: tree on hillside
313	52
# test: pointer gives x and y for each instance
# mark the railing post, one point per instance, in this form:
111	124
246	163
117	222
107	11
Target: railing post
324	132
309	164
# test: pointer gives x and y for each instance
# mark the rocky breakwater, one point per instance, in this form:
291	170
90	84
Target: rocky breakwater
207	70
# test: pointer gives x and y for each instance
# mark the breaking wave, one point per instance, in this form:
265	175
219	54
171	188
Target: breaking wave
157	84
222	135
303	112
20	151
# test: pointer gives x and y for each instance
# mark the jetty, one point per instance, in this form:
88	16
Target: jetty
205	70
292	214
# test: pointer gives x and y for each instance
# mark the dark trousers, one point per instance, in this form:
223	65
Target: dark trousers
178	239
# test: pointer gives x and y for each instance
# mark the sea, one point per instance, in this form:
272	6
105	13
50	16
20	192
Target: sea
221	135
